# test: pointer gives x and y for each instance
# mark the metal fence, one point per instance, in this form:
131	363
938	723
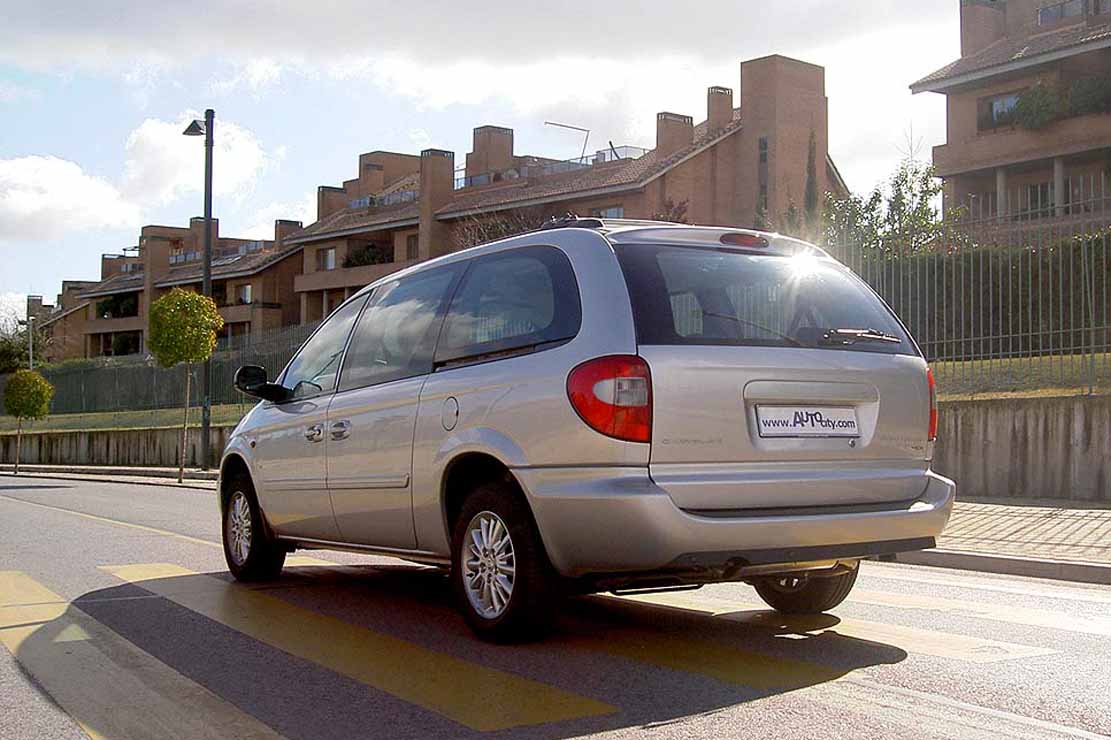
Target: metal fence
1011	298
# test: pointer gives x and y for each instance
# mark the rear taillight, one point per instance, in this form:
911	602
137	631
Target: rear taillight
933	405
613	395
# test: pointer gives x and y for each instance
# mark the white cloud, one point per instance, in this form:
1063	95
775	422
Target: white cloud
162	165
13	307
45	197
262	223
10	92
256	74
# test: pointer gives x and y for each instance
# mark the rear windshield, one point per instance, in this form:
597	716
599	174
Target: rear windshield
697	296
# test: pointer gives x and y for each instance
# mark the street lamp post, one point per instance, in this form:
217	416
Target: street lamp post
196	128
30	324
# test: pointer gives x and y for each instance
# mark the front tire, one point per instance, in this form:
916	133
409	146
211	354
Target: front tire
811	595
499	571
251	553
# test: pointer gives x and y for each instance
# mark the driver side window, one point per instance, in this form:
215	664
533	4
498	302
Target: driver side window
315	368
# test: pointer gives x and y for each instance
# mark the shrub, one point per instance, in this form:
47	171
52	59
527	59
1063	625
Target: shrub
26	396
1090	95
1039	107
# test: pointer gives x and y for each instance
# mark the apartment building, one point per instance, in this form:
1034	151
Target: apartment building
61	325
252	284
747	161
1029	111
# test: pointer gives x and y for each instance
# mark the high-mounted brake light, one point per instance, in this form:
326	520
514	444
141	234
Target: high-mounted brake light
613	395
932	435
753	241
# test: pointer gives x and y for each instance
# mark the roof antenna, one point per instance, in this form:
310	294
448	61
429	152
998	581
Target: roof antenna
612	149
586	140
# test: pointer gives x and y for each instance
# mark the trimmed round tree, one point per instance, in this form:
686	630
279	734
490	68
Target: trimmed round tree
27	396
183	328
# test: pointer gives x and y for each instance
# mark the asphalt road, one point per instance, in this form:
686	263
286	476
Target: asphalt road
118	619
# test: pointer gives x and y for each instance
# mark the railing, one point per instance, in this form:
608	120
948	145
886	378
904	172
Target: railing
1009	301
388	199
602	156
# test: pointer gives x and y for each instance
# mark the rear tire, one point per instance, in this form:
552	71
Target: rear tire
807	596
499	570
251	553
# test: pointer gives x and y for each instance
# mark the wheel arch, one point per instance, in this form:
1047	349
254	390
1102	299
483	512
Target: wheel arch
467	471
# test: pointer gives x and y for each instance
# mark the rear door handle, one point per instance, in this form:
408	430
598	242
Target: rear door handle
341	429
314	433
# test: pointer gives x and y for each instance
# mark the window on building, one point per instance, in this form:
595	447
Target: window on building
326	259
521	298
762	177
1057	12
396	334
997	111
609	212
412	247
763	150
244	294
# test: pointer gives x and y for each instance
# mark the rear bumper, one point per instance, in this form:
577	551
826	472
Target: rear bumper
616	520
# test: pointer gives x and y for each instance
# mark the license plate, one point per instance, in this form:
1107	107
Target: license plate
807	421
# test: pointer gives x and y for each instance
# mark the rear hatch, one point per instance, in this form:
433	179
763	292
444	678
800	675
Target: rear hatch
779	379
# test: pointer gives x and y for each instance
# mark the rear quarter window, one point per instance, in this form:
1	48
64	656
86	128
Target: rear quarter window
708	296
512	300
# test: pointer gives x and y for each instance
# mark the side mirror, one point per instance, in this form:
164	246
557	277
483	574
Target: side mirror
251	380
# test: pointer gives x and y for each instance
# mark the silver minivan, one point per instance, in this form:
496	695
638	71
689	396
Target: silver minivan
598	406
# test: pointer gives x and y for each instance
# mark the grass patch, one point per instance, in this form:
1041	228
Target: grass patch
222	415
1023	377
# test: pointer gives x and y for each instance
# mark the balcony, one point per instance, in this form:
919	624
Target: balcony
105	326
246	312
346	277
988	150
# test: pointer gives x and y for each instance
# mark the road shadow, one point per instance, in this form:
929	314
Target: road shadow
654	664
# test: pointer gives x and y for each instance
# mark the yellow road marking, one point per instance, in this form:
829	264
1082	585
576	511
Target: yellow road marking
471	694
996	612
909	639
110	687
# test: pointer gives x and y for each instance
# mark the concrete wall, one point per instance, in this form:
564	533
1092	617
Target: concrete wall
1048	448
128	447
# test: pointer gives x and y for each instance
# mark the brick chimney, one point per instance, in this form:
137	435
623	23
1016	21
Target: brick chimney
283	228
492	150
673	132
34	306
719	108
983	22
372	178
437	184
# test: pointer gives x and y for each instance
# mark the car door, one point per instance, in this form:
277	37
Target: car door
372	416
290	444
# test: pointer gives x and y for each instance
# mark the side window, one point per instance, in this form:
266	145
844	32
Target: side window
315	367
397	332
511	300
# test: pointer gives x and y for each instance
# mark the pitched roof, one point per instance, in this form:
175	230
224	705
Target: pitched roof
121	282
1016	53
225	267
625	174
354	220
62	314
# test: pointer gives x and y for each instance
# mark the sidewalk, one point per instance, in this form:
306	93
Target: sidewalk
1027	540
194	478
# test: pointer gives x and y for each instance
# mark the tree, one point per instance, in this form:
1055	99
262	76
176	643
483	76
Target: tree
476	230
811	203
903	216
183	328
673	212
27	396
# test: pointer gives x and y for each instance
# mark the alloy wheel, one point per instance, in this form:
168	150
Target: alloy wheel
489	565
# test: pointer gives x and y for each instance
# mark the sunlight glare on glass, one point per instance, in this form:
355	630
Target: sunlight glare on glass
804	265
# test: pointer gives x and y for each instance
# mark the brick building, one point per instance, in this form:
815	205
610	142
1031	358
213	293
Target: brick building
252	283
738	164
996	163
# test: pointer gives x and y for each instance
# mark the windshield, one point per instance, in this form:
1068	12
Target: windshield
699	296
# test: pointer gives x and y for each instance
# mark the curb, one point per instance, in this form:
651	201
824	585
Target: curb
113	470
1062	570
135	480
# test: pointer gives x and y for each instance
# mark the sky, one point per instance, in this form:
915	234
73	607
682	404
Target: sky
94	97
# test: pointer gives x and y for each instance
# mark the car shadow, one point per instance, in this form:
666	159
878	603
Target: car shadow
654	664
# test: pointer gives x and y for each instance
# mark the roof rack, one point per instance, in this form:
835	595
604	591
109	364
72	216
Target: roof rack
572	220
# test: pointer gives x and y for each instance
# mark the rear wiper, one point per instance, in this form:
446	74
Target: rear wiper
754	325
850	336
